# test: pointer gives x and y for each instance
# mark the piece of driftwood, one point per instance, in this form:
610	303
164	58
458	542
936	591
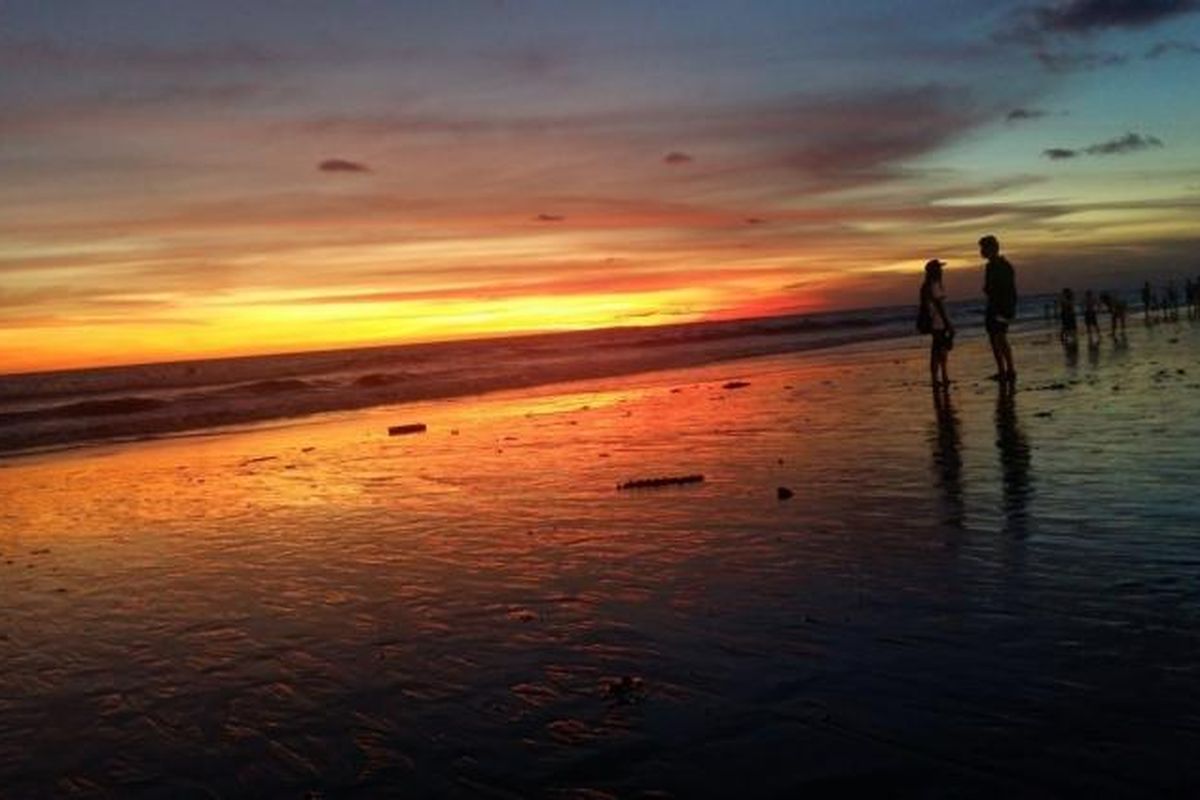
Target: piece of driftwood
401	430
735	385
654	483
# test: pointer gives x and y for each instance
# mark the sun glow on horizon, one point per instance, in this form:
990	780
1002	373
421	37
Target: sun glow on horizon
275	184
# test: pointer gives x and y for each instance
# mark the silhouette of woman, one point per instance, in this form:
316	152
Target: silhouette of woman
941	329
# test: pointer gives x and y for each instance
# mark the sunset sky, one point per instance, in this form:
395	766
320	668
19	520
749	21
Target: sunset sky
210	178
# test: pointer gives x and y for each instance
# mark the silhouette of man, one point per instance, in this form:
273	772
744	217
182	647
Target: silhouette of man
1000	287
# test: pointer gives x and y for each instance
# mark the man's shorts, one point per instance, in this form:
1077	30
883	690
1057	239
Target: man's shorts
994	324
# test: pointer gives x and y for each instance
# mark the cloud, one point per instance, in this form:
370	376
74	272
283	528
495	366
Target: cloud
342	165
1059	153
48	53
184	94
1021	114
1084	16
549	218
839	141
1078	61
816	138
1166	48
1129	143
675	157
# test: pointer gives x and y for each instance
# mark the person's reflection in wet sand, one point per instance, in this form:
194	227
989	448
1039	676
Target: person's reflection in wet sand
1071	353
946	441
1015	457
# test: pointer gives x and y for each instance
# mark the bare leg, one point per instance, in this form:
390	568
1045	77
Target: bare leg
994	341
1003	354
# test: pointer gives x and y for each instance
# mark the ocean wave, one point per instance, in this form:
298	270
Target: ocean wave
118	406
376	380
274	386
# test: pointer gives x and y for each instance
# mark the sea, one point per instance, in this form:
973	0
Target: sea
68	408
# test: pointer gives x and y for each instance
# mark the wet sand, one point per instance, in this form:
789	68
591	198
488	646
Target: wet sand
991	596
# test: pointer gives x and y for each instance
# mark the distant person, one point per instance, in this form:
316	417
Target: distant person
1171	303
1000	287
941	329
1116	312
1066	314
1189	294
1147	297
1090	320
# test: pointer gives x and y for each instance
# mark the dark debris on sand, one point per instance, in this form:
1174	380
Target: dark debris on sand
625	690
653	483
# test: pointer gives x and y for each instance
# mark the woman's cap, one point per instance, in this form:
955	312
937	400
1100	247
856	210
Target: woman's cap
933	264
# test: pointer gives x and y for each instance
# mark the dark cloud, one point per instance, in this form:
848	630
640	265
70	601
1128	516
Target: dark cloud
842	141
1077	61
1021	114
1059	153
549	218
857	136
675	157
1129	143
1166	48
1083	16
342	165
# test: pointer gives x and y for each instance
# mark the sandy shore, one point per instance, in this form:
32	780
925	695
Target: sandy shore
990	596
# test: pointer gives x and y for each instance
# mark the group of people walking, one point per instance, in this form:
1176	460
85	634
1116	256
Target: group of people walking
1069	327
1000	290
1164	306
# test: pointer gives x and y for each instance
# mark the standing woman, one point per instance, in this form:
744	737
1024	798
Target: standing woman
933	306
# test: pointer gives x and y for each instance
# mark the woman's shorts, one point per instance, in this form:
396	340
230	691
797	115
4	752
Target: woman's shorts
942	340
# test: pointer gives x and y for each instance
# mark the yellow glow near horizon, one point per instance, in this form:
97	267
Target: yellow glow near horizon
270	328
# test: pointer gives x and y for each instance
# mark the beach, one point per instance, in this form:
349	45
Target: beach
990	595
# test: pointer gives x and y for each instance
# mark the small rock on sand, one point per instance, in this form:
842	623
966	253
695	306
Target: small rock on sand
784	493
402	430
735	384
625	689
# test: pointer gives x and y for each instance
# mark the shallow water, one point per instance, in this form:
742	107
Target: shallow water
993	596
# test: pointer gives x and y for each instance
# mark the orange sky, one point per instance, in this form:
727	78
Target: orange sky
180	186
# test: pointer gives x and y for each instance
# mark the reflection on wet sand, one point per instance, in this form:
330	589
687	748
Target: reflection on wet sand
1015	460
322	609
946	441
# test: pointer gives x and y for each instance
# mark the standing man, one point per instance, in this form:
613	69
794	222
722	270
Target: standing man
1000	287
